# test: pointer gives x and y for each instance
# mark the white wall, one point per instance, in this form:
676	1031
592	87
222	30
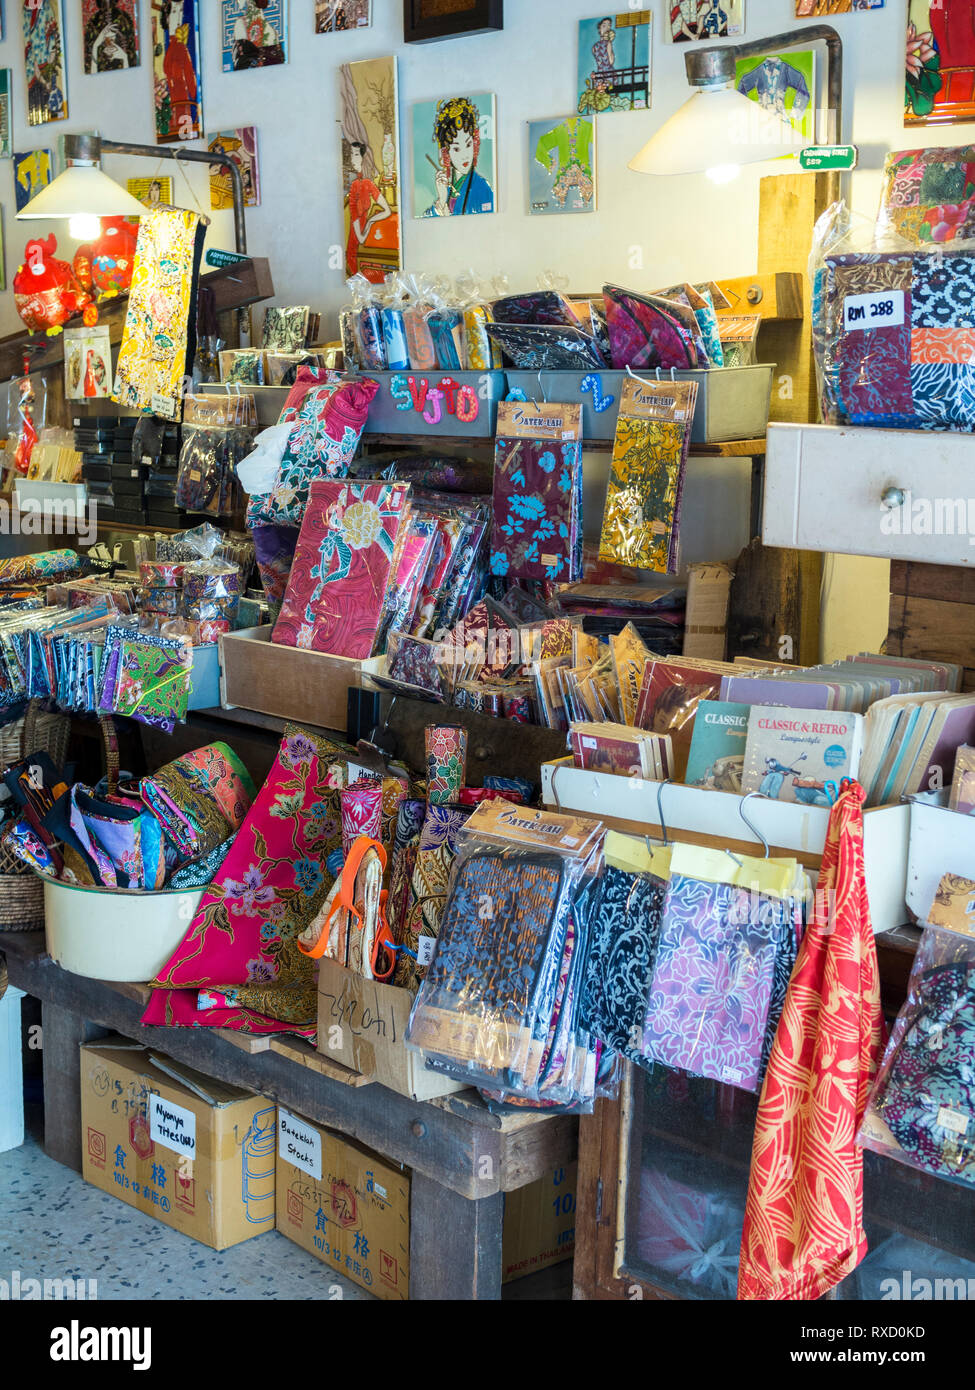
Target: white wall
685	227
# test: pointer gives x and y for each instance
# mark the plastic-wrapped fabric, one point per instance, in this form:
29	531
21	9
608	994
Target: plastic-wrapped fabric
424	901
625	928
543	347
908	361
207	477
922	1106
537	518
485	993
349	541
152	680
711	989
647	331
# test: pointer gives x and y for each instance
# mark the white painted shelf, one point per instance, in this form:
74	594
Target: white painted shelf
788	827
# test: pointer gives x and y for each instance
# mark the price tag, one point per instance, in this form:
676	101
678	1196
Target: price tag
864	311
424	949
952	1120
732	1075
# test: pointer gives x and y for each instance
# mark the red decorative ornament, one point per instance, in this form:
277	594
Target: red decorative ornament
105	265
46	290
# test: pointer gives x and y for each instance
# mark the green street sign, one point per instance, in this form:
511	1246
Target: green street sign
216	260
829	157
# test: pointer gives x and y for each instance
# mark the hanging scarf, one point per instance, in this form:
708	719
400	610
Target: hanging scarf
803	1228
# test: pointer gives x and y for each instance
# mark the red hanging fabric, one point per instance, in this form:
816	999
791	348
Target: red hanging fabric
803	1229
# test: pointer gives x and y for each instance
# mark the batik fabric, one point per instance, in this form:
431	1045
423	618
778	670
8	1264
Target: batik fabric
536	509
346	552
928	196
497	957
159	339
711	987
200	798
436	851
238	965
909	362
624	932
803	1230
326	428
641	520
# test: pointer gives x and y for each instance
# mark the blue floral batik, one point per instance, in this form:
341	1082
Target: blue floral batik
537	524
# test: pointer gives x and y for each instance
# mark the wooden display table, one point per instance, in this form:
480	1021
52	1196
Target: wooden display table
462	1158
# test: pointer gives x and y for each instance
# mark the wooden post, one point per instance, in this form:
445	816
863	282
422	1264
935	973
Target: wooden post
455	1244
62	1036
777	593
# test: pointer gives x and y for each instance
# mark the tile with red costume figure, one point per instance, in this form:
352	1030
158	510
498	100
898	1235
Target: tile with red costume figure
178	86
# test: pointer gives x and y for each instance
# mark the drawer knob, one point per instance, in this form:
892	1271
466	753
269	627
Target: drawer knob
892	497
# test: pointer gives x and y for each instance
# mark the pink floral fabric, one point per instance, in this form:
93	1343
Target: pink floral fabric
238	965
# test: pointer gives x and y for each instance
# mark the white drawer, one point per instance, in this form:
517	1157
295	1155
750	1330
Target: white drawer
824	487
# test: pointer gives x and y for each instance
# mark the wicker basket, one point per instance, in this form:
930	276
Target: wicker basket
21	891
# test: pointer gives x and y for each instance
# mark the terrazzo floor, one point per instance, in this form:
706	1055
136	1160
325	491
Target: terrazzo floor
53	1225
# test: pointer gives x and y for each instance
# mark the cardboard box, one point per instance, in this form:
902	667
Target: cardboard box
362	1023
309	687
539	1224
706	620
180	1146
344	1204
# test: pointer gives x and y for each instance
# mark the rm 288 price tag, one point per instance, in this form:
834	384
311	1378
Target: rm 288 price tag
884	309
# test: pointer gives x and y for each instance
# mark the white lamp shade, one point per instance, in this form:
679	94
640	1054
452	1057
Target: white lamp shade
716	127
82	189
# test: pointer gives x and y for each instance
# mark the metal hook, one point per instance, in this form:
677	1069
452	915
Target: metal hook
644	381
673	375
667	782
753	828
541	387
555	790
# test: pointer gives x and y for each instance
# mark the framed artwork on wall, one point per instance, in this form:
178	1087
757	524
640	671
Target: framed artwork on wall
454	156
177	70
940	67
426	21
369	106
43	31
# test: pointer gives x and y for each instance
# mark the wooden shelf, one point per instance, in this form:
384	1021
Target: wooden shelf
234	287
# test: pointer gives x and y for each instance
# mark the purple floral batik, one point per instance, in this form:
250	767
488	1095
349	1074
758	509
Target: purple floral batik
712	980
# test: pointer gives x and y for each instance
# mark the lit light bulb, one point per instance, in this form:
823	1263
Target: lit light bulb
723	173
84	226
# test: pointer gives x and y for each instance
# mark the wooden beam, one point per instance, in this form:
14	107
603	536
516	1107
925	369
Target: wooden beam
778	294
471	1160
